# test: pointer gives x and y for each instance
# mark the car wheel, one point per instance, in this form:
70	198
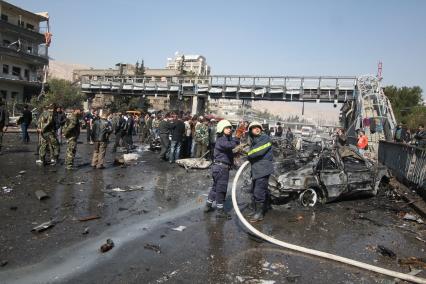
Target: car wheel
308	197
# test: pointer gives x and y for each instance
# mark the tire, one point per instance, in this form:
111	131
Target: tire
309	197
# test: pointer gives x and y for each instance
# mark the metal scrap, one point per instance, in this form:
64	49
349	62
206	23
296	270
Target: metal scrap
153	247
385	251
40	194
107	246
414	261
88	218
410	217
44	226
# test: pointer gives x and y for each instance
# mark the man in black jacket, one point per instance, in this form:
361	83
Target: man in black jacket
177	128
164	129
260	157
27	117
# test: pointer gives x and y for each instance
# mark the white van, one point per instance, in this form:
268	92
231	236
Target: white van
306	131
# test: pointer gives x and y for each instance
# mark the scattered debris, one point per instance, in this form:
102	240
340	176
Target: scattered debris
130	157
385	251
107	246
155	248
180	228
4	263
194	163
86	231
249	279
410	217
7	189
420	239
118	161
80	182
413	261
89	218
41	195
44	226
167	277
292	278
22	172
128	188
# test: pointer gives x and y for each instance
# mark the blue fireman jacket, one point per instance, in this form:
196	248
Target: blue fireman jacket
260	156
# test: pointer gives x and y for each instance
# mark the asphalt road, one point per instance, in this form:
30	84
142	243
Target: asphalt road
162	197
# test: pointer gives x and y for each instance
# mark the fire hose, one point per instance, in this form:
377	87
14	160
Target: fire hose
309	251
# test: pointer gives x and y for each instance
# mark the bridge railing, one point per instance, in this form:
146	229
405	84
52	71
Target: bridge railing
407	163
288	82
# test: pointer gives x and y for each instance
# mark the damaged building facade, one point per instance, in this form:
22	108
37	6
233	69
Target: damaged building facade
23	52
178	66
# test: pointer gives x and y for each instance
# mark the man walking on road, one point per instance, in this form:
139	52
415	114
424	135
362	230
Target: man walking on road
26	117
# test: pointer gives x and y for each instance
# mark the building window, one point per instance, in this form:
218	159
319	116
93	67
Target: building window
30	49
14	95
3	94
30	27
16	71
5	69
27	74
4	17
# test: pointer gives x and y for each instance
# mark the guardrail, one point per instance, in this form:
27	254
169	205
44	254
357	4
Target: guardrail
407	163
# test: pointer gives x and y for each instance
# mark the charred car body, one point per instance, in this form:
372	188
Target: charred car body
336	174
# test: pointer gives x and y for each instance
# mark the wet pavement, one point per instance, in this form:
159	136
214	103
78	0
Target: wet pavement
160	197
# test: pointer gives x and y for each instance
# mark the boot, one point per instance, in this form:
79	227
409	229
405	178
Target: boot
252	209
221	214
208	207
260	213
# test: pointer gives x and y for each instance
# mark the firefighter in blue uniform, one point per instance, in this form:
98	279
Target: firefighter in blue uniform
260	157
223	159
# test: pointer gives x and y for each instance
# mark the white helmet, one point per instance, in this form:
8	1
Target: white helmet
255	123
222	125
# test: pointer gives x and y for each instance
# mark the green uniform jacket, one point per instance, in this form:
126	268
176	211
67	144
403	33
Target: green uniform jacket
72	127
46	122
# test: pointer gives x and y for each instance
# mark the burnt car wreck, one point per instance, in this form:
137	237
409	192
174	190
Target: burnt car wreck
335	174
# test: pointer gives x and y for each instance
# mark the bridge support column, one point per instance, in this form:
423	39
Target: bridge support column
194	109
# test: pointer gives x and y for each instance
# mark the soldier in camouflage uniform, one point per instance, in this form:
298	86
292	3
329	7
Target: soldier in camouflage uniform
202	138
46	129
72	132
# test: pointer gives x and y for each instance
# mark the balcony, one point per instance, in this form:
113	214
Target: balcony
36	57
6	26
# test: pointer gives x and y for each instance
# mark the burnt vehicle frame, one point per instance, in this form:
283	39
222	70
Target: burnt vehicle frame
335	174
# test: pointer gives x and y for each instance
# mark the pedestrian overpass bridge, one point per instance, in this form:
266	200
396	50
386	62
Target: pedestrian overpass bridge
325	89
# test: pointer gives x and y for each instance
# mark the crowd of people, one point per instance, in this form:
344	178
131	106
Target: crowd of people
181	136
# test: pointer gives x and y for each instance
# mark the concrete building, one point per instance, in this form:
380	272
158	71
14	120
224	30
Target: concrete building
189	64
123	70
181	65
23	52
233	110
